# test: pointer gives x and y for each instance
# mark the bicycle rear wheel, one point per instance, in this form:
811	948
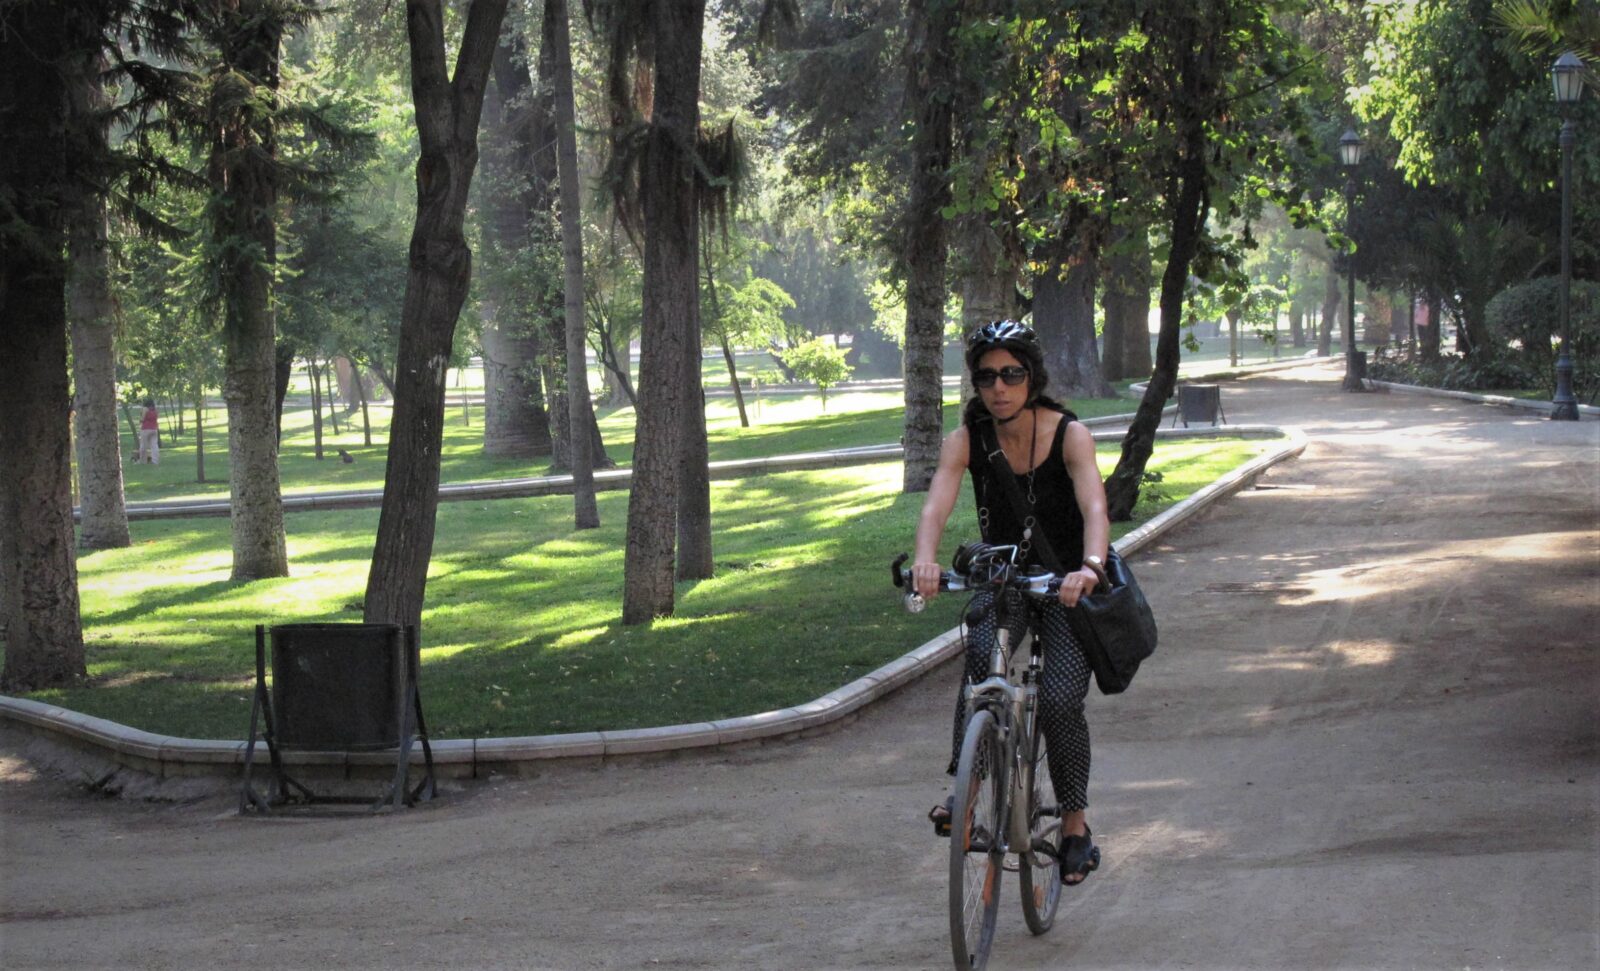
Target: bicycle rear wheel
1041	884
976	844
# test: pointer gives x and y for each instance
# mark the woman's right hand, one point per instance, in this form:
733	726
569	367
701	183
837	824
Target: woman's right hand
925	579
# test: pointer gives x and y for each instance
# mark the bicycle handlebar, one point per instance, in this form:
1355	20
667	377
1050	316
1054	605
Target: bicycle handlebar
988	572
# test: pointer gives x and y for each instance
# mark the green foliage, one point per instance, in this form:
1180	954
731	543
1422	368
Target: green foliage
1499	372
1529	315
818	360
1465	109
1552	27
752	313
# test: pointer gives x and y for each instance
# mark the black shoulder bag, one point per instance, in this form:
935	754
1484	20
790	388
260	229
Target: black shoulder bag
1114	624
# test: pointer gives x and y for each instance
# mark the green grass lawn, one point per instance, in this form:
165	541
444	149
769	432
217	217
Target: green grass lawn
779	424
522	632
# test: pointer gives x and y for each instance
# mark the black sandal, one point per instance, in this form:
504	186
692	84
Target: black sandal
1079	857
942	816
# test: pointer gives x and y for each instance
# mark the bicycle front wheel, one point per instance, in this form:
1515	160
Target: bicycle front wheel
977	844
1040	875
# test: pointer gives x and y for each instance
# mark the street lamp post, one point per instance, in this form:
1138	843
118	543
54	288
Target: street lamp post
1350	154
1568	81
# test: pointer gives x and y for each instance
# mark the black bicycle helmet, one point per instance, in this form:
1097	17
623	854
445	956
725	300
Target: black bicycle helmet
999	332
1017	338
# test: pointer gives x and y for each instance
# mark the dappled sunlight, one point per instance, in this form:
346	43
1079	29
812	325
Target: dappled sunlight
1278	660
574	546
1362	653
581	637
1166	839
1151	785
1416	566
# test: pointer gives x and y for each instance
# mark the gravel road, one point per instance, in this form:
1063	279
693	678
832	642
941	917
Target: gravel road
1370	740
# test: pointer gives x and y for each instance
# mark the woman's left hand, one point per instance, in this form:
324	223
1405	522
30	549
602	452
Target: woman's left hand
1076	584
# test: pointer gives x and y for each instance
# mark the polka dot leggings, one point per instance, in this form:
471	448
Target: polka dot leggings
1063	684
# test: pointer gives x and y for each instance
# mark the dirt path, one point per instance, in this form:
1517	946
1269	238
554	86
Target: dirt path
1370	740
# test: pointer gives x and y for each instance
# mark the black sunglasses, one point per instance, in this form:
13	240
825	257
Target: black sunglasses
1011	374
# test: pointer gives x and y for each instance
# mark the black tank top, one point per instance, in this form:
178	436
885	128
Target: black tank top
1055	503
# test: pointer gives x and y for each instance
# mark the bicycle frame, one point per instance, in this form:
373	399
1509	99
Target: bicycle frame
1010	693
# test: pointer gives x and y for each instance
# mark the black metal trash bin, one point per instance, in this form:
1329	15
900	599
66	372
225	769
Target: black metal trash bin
338	686
1199	402
1358	365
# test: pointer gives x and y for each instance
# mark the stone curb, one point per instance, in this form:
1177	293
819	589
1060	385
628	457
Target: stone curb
548	485
167	756
1499	400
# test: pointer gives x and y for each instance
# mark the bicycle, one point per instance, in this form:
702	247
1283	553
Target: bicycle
1005	816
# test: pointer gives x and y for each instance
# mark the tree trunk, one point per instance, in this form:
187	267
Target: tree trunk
437	276
515	420
1113	340
1297	325
1188	192
1063	316
1475	329
694	488
671	309
366	420
733	381
546	199
38	569
1332	297
929	69
200	436
988	286
1125	348
244	230
92	312
282	370
1430	334
585	511
315	374
1135	283
722	335
330	390
616	359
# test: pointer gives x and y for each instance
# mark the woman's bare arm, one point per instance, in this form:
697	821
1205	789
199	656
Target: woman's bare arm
936	509
1079	456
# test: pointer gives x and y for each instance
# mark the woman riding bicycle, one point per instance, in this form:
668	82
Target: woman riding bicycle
1052	456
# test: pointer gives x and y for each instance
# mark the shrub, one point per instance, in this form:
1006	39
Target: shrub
1501	373
820	361
1530	314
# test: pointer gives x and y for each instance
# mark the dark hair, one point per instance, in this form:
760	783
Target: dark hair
149	402
1008	335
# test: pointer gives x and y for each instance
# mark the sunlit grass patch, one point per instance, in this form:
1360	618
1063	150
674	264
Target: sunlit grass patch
521	631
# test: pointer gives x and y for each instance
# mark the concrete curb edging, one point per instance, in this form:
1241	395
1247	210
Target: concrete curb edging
1499	400
170	757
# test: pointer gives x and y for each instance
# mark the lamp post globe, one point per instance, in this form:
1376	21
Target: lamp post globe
1567	79
1350	148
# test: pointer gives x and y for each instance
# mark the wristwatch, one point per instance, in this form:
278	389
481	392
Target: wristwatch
1094	563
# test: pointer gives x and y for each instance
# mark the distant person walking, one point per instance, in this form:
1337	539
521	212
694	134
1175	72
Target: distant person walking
150	435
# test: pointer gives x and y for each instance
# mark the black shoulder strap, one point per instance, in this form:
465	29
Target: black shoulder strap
989	443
